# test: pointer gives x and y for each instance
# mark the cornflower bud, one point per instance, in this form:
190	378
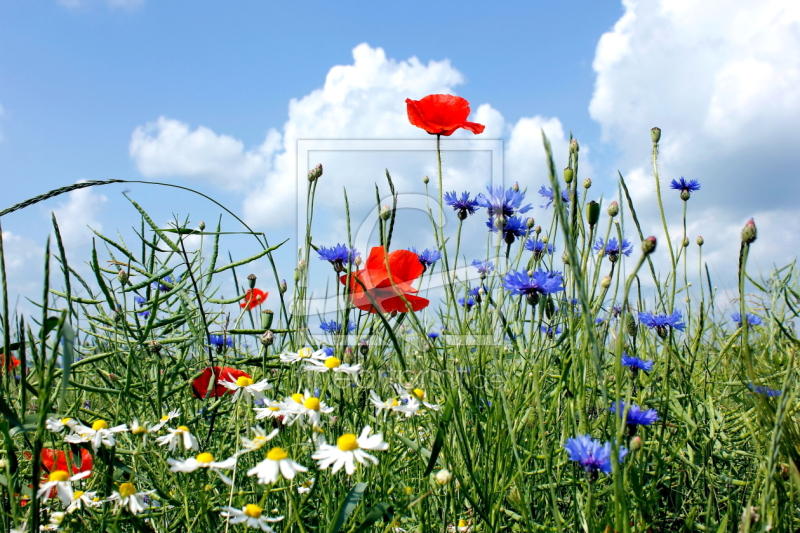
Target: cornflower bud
267	338
700	240
500	222
358	261
425	180
122	276
315	173
537	230
529	223
574	147
636	443
386	212
685	242
649	245
154	347
613	209
251	281
568	174
685	195
348	356
283	287
363	347
655	135
565	257
201	226
515	187
749	232
301	265
545	240
587	183
605	282
630	325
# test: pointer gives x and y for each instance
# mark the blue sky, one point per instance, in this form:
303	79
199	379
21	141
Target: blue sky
78	78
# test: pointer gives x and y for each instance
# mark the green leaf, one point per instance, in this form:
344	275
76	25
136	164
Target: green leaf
349	505
439	442
50	324
379	511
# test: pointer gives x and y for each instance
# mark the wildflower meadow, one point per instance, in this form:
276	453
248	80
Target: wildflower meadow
567	378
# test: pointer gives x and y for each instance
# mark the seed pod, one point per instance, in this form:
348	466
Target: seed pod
655	135
266	318
592	213
251	281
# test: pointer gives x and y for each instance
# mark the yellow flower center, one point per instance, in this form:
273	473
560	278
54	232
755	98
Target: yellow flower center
65	421
99	424
347	442
298	398
164	418
183	429
77	494
277	454
274	408
252	510
244	381
395	403
205	458
462	523
333	362
58	475
420	393
126	490
304	353
138	430
311	403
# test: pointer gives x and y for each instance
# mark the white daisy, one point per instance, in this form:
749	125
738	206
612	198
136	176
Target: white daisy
349	449
250	515
277	460
179	434
299	406
57	425
82	499
305	488
418	395
98	434
303	354
333	364
407	406
164	419
258	441
127	497
203	460
245	385
62	482
272	410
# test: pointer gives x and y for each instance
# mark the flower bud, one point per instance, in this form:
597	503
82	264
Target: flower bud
267	338
574	146
592	213
301	265
537	230
636	443
565	257
515	187
500	222
544	240
605	282
685	195
630	325
283	287
529	223
700	240
315	173
613	209
358	261
443	476
154	347
649	245
363	347
425	180
568	174
251	281
386	212
655	135
749	232
266	318
201	226
296	275
587	183
349	358
122	276
685	242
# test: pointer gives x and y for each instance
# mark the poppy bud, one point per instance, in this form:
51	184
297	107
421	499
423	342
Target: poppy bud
655	135
251	281
154	347
201	226
636	443
749	233
267	338
266	318
613	209
529	223
565	257
605	282
630	325
574	146
348	356
122	276
587	183
649	245
685	195
315	173
592	213
386	212
283	287
425	180
685	242
568	174
700	240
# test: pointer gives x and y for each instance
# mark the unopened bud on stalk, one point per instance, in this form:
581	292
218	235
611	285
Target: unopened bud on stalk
537	230
685	242
154	347
749	232
500	222
655	135
122	276
358	261
613	209
349	358
425	180
636	443
386	212
266	318
592	213
545	239
700	240
201	226
568	174
301	265
565	257
251	281
630	325
283	287
529	223
315	173
363	347
296	275
605	282
685	195
574	147
587	183
649	245
267	338
515	187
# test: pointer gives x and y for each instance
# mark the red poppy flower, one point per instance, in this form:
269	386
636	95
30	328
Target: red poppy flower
57	460
374	282
441	114
201	383
253	298
14	361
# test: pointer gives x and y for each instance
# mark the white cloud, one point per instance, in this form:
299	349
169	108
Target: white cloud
75	215
722	80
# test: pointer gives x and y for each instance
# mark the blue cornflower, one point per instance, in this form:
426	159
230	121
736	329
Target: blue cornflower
433	335
220	341
592	455
612	248
539	248
338	256
660	322
332	326
637	364
464	205
141	301
598	321
328	351
498	202
542	282
427	257
166	284
752	320
514	227
764	391
469	302
547	193
550	331
484	267
636	415
686	187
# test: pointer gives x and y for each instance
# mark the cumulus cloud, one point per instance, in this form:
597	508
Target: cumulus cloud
76	214
722	80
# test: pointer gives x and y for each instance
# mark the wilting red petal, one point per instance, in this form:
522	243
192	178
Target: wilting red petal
201	383
57	460
441	114
253	298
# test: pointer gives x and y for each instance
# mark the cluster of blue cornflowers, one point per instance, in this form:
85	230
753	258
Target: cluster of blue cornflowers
533	285
334	327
